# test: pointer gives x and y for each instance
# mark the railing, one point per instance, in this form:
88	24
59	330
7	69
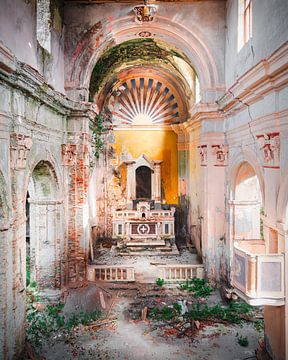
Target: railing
111	273
175	273
258	278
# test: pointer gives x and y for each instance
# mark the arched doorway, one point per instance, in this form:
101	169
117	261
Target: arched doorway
143	183
43	227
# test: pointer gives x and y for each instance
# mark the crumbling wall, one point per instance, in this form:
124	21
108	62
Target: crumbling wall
18	31
34	138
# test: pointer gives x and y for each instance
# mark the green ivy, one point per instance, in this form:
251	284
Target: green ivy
97	134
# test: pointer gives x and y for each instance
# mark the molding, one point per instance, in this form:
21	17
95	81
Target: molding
268	75
28	80
261	301
261	124
203	112
7	60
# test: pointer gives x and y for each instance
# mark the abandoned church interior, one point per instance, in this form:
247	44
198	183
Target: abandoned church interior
144	155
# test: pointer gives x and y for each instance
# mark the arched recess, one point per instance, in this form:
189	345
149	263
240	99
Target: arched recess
143	183
45	212
247	203
235	162
138	85
90	48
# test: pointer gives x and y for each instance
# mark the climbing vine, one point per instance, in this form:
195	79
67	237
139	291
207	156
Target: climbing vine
97	134
101	126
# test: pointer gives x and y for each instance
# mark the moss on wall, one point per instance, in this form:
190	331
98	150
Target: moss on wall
140	50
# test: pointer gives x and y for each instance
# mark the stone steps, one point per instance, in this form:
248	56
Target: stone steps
151	244
149	251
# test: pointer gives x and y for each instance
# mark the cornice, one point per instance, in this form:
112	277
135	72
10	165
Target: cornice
26	79
261	124
203	112
268	75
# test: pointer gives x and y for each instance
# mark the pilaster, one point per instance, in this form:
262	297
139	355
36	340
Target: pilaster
76	159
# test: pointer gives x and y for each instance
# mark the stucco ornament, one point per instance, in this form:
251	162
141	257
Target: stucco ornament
221	154
68	154
203	154
269	144
20	146
144	12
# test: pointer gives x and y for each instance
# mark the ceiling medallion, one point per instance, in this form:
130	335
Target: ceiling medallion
144	12
145	34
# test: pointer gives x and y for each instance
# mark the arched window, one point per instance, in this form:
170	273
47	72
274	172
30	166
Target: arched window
143	182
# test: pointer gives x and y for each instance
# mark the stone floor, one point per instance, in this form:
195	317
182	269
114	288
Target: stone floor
127	337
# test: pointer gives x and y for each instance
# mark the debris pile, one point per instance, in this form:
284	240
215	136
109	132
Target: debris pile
184	312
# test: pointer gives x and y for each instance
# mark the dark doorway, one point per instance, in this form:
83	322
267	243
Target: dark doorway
143	182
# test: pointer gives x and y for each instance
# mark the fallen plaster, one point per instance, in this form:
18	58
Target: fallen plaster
124	336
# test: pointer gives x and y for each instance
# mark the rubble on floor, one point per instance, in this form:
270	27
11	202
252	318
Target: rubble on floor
150	321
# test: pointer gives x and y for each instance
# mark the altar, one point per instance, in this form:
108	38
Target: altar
145	224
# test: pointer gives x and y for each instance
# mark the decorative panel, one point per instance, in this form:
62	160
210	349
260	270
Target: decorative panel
239	271
143	229
144	101
270	279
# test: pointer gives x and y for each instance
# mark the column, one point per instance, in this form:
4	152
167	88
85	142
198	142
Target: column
130	183
156	182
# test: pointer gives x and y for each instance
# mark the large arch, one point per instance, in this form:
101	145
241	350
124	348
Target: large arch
86	53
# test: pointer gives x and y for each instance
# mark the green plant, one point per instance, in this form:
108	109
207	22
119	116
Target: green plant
42	321
160	282
259	325
96	140
199	287
234	313
165	313
243	341
131	51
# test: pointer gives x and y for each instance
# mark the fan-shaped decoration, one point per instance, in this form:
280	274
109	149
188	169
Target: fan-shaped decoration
144	101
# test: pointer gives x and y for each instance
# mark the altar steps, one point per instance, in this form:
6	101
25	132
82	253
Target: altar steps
153	247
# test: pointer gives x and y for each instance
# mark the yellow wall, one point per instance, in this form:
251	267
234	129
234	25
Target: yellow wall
156	145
